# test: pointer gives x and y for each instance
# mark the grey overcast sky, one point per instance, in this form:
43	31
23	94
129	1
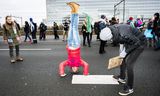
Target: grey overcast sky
26	9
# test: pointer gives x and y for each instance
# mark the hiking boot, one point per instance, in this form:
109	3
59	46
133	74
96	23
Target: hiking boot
13	60
19	58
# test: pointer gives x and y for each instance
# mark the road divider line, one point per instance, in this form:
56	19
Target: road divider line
37	49
94	79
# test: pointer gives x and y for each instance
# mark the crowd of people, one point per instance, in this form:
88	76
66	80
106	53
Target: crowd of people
151	31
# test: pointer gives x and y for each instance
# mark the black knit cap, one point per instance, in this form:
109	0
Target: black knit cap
157	14
103	16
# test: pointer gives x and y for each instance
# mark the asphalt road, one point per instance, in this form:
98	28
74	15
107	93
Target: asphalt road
38	74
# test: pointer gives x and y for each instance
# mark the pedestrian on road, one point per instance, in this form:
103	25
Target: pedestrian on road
66	29
42	34
132	45
156	30
148	34
114	21
102	25
55	30
33	29
97	30
27	32
11	36
130	22
85	34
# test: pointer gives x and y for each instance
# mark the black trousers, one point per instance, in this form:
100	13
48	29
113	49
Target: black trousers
157	44
33	35
42	35
34	38
114	44
102	46
90	38
98	33
86	34
128	66
27	36
56	35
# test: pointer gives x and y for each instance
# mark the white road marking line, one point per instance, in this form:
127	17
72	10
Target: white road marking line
45	49
94	79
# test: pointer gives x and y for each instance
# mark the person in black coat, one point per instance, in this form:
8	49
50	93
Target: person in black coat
90	36
66	29
33	29
85	34
27	31
114	21
132	44
42	28
97	30
156	30
55	30
102	24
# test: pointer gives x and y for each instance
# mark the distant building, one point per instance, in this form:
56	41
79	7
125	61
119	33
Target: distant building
57	10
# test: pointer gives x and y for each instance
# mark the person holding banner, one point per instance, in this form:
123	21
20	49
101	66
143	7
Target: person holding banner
132	45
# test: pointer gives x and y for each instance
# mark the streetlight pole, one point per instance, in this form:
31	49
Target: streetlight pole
0	23
123	9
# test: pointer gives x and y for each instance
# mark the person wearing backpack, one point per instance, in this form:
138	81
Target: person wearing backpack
27	32
42	28
133	43
113	21
55	30
97	30
33	29
130	22
139	24
102	24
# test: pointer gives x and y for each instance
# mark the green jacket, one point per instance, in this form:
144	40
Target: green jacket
10	33
88	24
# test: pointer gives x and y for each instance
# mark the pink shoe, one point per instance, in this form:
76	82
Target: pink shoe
30	41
